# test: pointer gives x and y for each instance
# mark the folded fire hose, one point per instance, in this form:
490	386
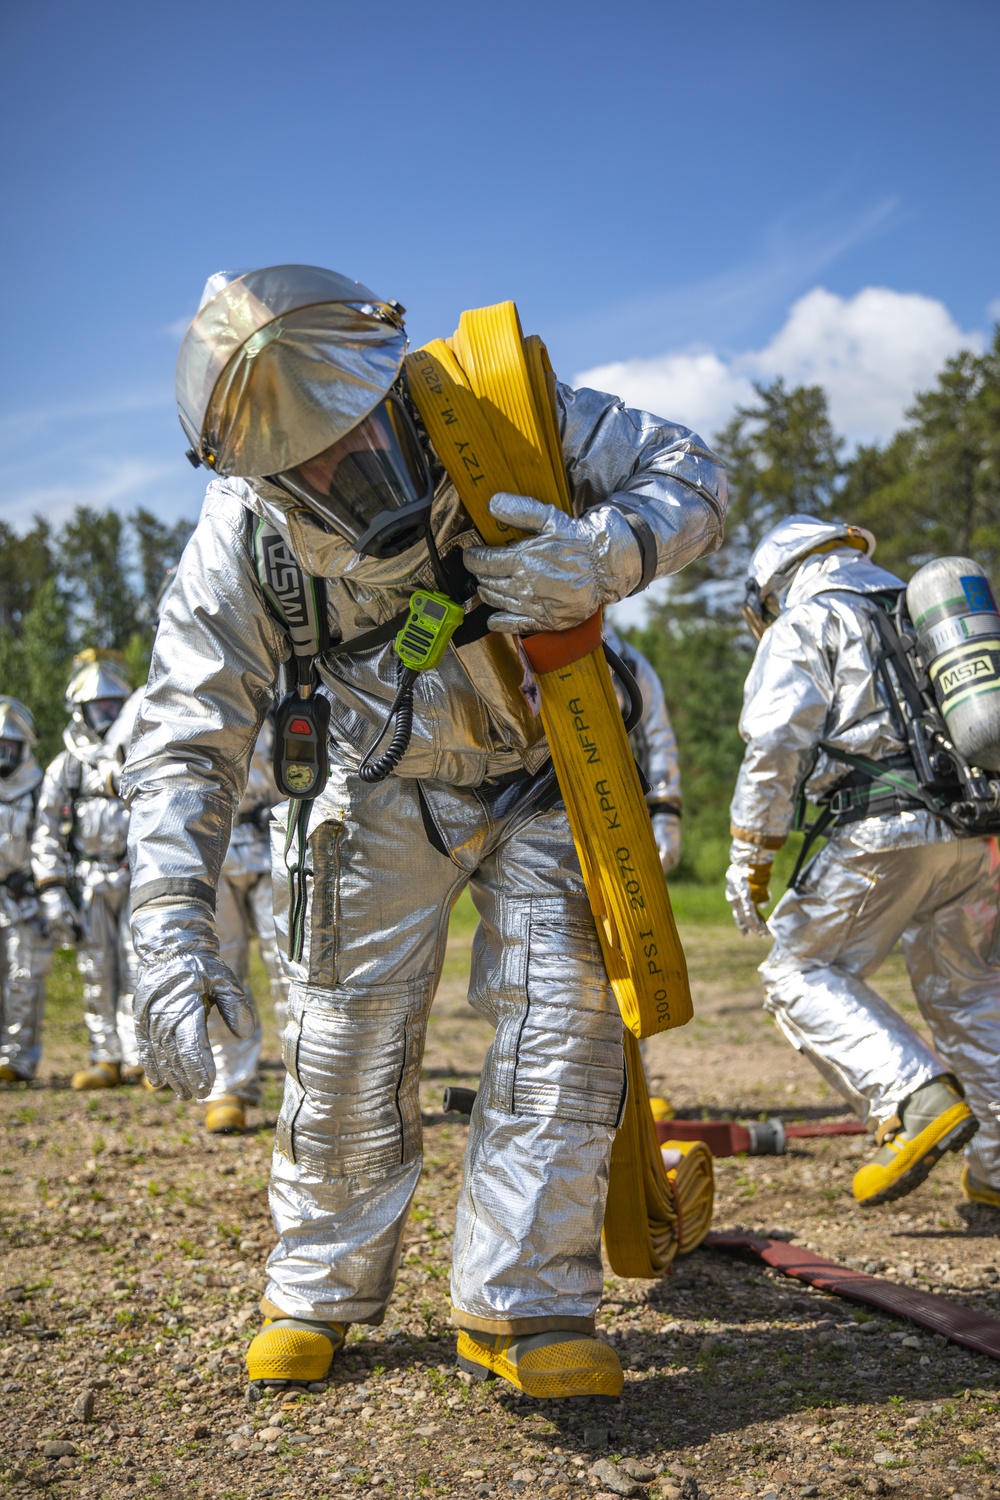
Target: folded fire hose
487	399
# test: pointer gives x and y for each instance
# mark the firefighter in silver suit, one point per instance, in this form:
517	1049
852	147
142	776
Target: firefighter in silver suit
25	948
891	870
655	748
244	908
79	859
289	387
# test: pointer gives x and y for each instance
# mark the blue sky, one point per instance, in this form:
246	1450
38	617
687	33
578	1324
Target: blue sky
682	198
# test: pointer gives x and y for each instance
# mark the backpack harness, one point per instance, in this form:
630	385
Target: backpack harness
929	775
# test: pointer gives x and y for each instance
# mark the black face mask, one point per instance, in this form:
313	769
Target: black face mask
101	713
10	756
372	486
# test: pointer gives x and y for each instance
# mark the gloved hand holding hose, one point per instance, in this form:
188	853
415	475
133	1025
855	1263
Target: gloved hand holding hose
561	575
180	977
748	882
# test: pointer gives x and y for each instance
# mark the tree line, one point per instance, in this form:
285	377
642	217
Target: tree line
932	489
92	582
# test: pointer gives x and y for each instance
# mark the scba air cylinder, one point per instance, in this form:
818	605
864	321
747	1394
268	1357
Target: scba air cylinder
955	615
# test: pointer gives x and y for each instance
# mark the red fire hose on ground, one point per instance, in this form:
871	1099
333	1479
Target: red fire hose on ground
755	1138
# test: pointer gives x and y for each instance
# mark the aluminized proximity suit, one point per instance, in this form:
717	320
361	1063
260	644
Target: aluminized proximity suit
245	906
80	843
384	864
903	875
655	749
25	950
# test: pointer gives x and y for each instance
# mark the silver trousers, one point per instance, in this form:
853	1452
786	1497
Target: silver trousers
25	957
107	964
941	900
527	1244
244	907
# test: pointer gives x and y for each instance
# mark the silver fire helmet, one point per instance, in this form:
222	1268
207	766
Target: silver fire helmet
17	733
97	688
279	363
780	552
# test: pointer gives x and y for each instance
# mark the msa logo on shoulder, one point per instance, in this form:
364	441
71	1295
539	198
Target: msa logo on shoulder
291	594
301	726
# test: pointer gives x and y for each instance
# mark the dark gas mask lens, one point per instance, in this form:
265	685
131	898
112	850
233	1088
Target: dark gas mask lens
101	713
10	755
373	485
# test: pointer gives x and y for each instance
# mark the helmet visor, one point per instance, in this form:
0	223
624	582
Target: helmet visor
101	713
373	485
11	751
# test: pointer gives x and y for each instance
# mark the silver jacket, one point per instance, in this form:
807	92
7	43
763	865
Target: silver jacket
218	651
813	678
81	817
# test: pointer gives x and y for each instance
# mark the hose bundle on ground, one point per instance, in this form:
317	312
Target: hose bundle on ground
675	1205
487	399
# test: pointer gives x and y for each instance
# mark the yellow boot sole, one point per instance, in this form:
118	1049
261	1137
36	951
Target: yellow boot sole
978	1192
226	1116
661	1109
100	1075
293	1351
878	1183
568	1366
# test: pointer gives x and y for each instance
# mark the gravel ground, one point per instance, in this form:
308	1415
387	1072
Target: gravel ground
131	1259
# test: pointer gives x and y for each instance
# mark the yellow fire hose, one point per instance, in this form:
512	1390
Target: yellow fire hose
487	399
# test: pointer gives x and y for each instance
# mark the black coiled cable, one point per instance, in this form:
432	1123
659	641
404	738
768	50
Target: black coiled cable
401	710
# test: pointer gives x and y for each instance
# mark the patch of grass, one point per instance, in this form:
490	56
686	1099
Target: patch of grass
698	903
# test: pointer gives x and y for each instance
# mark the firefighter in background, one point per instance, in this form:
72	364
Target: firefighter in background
655	749
244	908
891	870
25	948
80	865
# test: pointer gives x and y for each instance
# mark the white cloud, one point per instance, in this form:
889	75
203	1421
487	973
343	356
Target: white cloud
870	352
119	484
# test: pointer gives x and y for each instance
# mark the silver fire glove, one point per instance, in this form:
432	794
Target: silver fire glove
667	833
62	920
561	575
747	885
180	977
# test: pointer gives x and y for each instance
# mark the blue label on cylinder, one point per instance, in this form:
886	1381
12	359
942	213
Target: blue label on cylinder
979	595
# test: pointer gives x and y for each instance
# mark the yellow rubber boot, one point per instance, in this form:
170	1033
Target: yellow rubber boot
549	1366
226	1116
294	1351
935	1119
979	1192
98	1075
7	1074
661	1109
132	1073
